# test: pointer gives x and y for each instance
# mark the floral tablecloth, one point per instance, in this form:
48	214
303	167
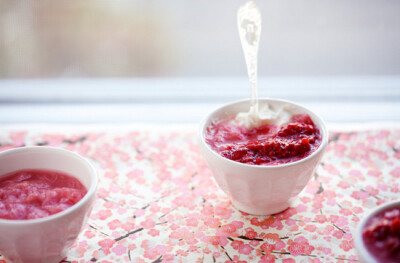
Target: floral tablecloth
157	201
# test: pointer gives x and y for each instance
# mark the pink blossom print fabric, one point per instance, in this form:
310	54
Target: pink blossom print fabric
157	201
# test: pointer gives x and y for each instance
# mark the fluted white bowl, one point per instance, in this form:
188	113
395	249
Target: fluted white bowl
363	253
261	189
46	239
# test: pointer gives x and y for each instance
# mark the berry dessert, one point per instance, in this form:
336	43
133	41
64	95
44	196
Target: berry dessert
268	144
31	194
382	236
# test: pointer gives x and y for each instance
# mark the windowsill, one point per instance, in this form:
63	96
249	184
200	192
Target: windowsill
163	101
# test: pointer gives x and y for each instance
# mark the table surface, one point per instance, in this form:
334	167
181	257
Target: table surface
157	201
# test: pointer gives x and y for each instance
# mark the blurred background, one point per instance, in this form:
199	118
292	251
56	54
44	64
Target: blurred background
121	38
307	49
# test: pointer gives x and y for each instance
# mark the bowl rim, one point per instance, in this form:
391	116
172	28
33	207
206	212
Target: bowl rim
91	191
322	126
358	240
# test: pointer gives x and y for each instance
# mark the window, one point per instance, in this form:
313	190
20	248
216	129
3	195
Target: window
131	60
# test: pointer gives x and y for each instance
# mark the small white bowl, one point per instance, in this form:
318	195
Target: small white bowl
261	190
46	239
362	251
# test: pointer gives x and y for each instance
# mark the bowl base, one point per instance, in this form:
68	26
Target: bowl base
265	211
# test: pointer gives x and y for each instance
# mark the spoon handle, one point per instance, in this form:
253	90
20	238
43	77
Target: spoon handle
249	25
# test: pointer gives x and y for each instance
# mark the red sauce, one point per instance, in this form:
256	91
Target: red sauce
30	194
382	236
267	144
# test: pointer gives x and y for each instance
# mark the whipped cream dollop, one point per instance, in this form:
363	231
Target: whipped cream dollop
265	114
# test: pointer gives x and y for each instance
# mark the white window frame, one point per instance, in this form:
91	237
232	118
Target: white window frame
188	100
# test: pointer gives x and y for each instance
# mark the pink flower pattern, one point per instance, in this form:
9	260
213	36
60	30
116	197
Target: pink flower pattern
157	201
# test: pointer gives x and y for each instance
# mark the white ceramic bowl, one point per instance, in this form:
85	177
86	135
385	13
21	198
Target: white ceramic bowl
46	239
261	190
362	252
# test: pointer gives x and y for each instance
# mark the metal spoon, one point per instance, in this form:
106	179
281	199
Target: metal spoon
249	25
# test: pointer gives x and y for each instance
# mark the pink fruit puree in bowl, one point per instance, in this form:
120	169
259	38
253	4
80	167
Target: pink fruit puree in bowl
46	196
262	169
31	194
268	144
